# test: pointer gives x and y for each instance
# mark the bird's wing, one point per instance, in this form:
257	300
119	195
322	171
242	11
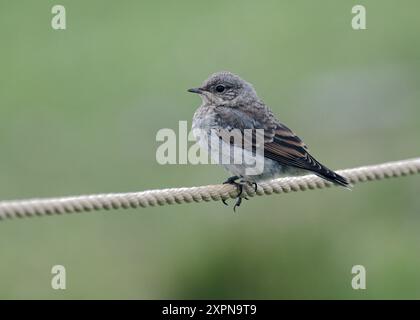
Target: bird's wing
280	143
279	140
242	119
287	148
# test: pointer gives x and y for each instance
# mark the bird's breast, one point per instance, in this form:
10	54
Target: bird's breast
205	118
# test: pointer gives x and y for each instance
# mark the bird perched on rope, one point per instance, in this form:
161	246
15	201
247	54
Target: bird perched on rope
231	105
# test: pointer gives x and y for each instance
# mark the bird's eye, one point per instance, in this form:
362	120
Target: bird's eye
220	88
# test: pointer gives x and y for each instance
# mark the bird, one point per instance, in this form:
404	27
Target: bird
231	104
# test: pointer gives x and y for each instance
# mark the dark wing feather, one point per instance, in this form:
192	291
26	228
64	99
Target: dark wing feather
288	149
280	143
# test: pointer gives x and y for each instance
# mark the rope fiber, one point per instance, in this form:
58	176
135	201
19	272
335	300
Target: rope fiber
51	206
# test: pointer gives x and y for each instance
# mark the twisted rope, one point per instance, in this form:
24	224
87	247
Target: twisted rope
41	207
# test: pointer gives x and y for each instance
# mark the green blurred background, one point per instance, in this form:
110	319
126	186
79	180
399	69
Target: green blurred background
79	112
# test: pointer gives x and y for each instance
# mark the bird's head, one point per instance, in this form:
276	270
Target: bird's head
226	89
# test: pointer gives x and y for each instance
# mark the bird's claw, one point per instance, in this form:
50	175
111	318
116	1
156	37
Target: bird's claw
237	203
239	187
231	180
255	186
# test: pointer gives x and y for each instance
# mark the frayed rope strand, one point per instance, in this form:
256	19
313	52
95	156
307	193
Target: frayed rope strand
53	206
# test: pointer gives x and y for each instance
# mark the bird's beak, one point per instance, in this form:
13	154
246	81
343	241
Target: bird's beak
196	90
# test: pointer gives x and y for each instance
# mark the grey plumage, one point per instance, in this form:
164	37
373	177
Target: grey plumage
230	103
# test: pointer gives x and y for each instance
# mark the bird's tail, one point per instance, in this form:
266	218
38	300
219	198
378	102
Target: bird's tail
333	177
327	174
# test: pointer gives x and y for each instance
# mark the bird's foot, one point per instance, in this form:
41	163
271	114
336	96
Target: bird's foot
232	180
237	203
255	185
240	186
